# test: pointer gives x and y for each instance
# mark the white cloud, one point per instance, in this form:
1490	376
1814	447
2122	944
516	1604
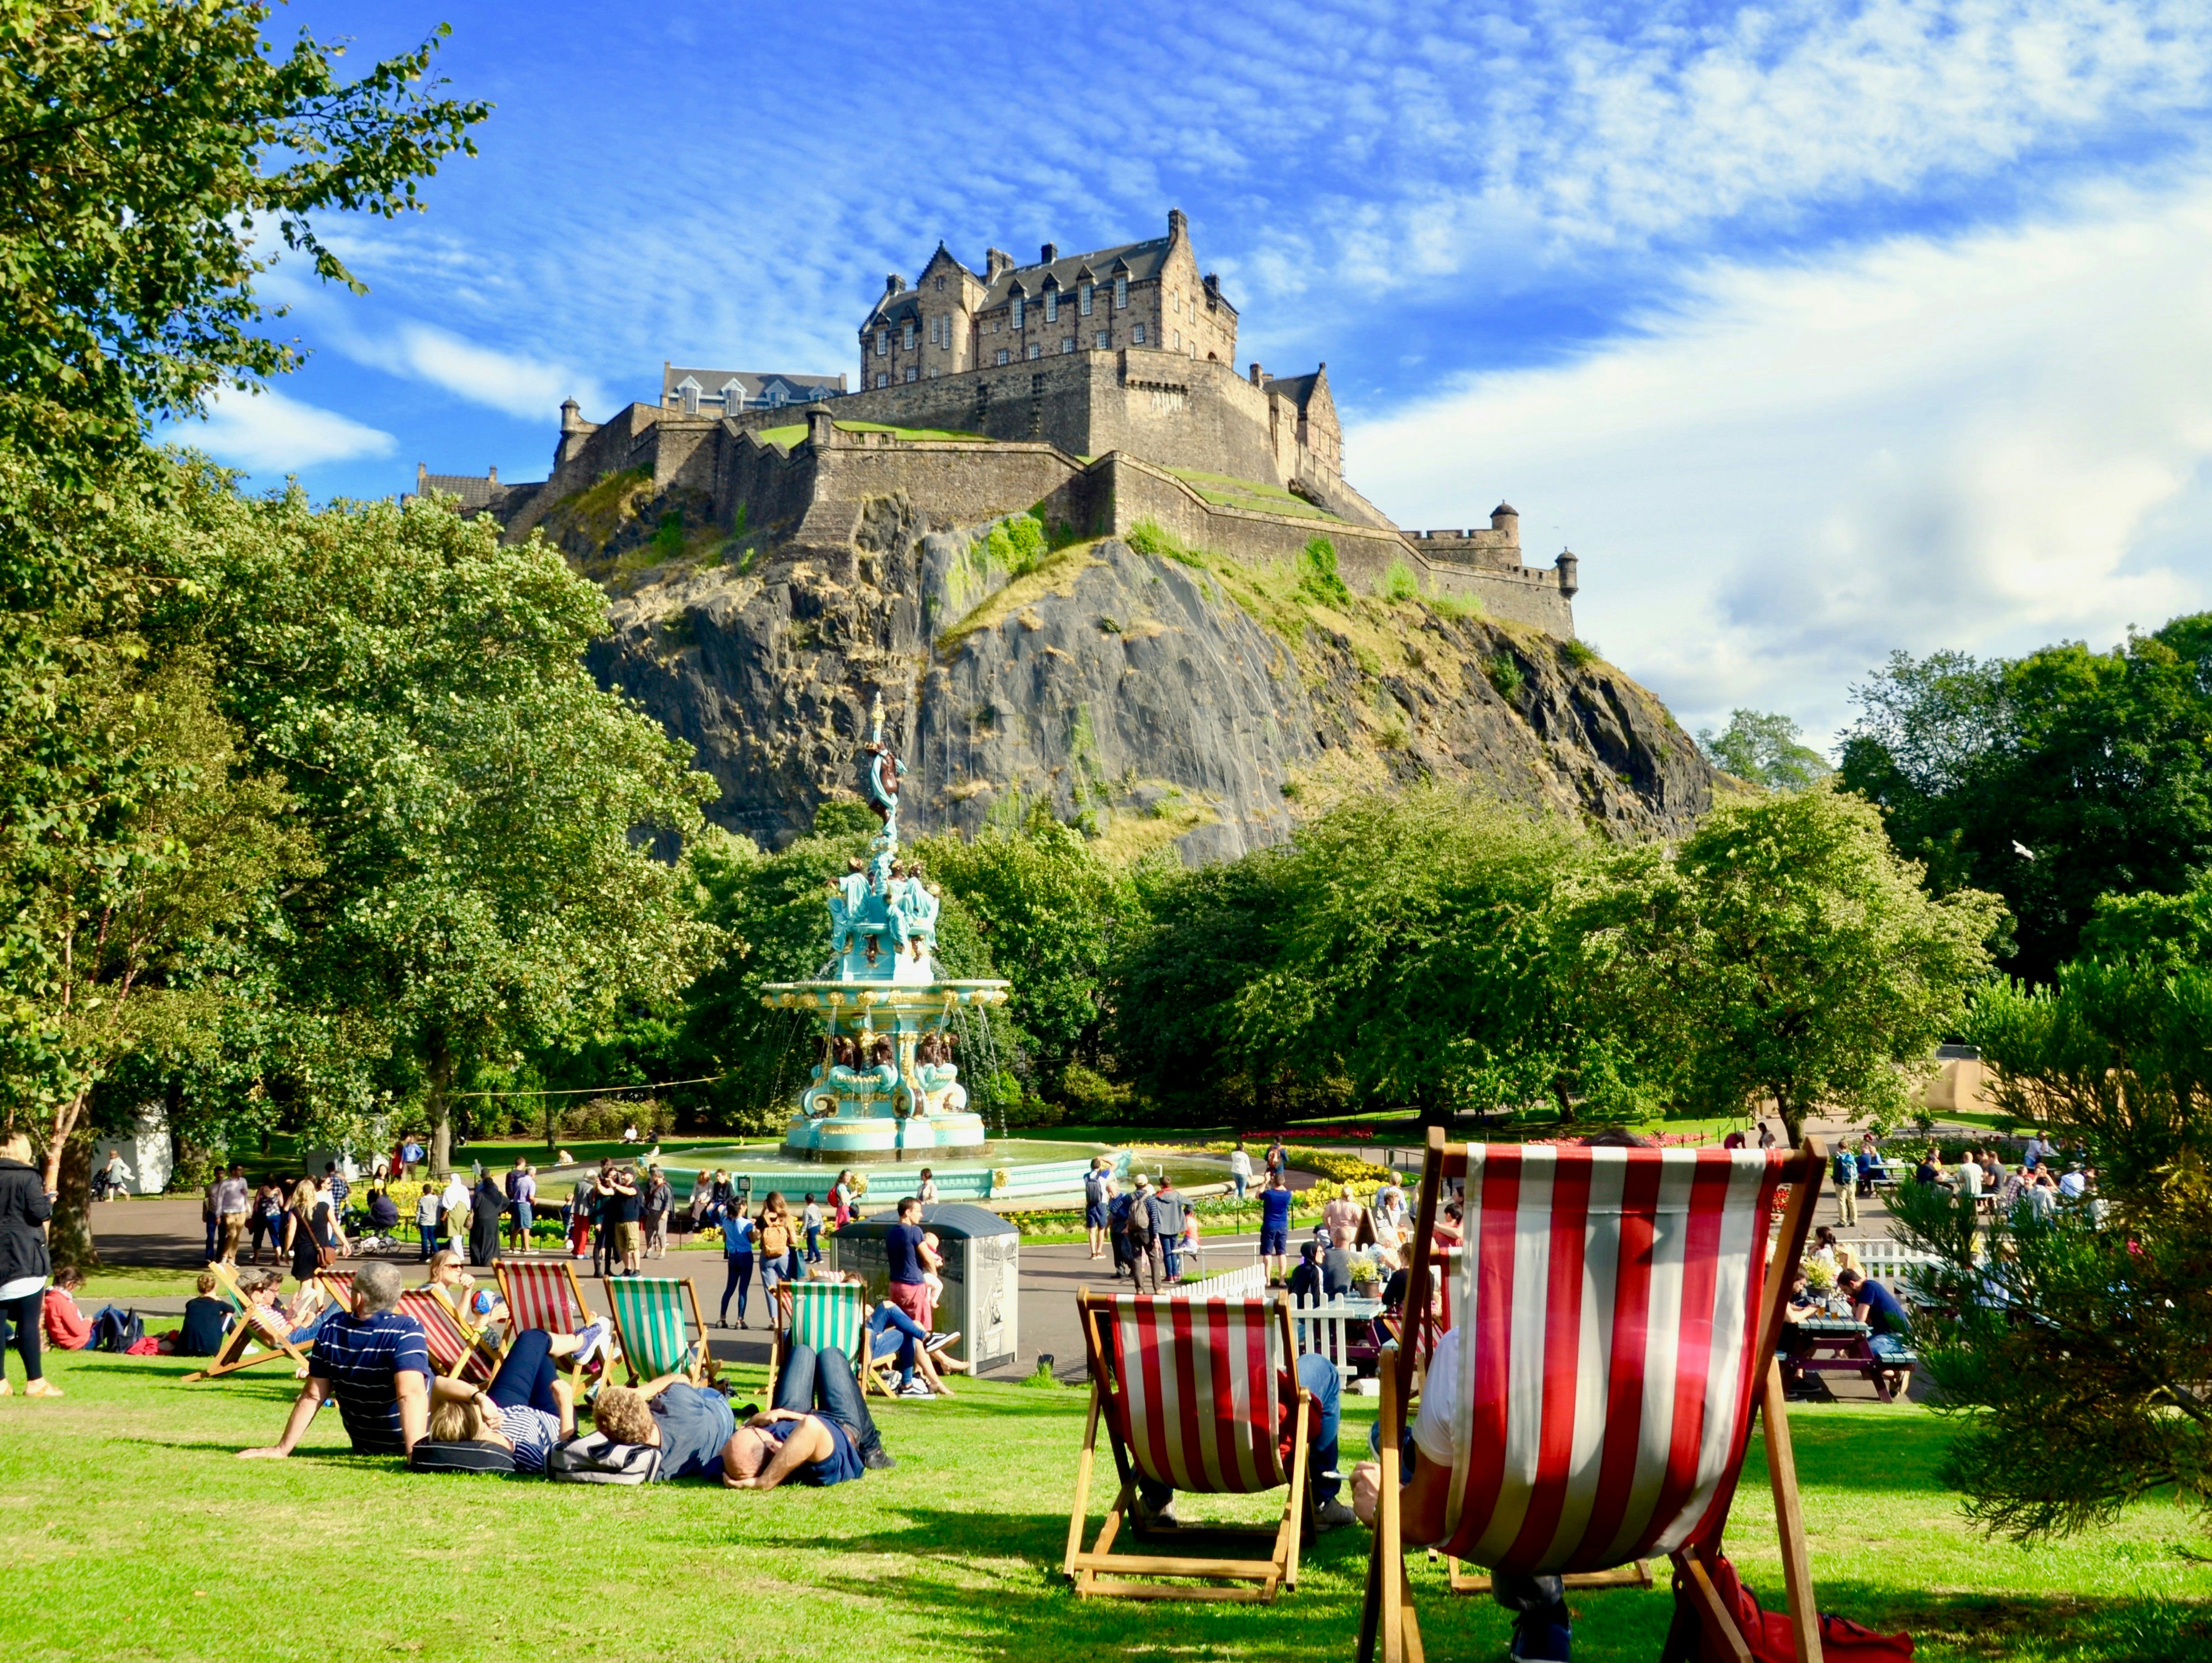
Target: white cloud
1987	444
513	382
269	433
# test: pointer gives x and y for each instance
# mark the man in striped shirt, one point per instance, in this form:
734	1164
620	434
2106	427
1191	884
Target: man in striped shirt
374	1360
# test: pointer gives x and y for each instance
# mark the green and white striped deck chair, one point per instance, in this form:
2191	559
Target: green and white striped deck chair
830	1316
656	1334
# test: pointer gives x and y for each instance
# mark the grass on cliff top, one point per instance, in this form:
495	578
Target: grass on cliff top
1224	490
956	1551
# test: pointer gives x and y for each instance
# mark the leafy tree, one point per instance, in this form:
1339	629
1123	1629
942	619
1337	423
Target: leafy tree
173	873
148	151
2098	1319
1048	909
2053	780
1762	747
481	811
1787	951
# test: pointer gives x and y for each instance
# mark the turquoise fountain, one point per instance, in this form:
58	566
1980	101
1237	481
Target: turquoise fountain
885	1084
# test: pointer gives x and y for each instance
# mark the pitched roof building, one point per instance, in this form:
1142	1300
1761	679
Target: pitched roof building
726	392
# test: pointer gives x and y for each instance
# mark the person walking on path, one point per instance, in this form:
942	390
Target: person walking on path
427	1209
521	1196
231	1193
1240	1171
1097	1199
303	1231
1144	1240
656	1203
26	1204
483	1221
1847	1167
737	1260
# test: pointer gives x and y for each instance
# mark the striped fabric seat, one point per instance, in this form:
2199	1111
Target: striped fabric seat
541	1294
830	1316
337	1287
1195	1396
1609	1301
656	1328
1610	1341
453	1350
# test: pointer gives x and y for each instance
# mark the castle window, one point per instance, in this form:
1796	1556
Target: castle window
1002	354
1102	340
1083	299
883	342
1052	305
1068	344
912	373
1018	311
1036	349
1140	334
883	379
906	337
1121	293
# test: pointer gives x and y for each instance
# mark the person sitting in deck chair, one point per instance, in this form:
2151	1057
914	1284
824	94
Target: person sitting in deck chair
1318	1375
819	1432
374	1360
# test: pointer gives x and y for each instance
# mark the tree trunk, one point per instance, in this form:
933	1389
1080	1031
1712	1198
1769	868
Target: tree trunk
68	1236
1566	1104
441	1116
1793	1120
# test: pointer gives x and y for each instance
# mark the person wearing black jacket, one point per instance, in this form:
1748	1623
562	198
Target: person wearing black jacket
485	1209
26	1204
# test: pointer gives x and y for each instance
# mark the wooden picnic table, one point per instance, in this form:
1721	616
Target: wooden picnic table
1836	1345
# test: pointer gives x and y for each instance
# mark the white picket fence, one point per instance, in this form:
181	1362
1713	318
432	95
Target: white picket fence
1880	1257
1246	1281
1328	1326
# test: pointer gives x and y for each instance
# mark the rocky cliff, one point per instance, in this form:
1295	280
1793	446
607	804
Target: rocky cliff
1156	695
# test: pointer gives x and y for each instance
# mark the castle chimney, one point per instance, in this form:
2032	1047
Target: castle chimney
1051	252
422	478
492	474
997	262
893	283
1568	567
1256	377
1178	223
1213	284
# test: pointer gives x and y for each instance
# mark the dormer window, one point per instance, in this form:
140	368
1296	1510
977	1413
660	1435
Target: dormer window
733	397
1121	292
1083	299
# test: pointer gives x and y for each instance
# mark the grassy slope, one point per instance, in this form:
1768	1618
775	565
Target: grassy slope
128	1496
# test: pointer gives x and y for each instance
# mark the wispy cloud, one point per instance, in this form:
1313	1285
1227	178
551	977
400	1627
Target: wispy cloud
1986	443
268	433
514	382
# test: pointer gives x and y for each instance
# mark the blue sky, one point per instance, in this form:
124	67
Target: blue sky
1816	329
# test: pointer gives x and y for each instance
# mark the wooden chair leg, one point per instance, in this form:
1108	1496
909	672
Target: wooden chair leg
1789	1520
1723	1639
1083	1464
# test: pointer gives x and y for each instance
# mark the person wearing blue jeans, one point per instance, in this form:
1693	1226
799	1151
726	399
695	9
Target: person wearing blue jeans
1318	1375
821	1382
738	1258
890	1330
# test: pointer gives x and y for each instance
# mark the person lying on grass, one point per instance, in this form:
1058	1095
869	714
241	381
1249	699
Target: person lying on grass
374	1360
819	1432
689	1424
526	1407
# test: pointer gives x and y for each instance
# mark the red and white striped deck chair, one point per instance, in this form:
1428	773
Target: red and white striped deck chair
541	1293
1615	1331
1191	1394
455	1348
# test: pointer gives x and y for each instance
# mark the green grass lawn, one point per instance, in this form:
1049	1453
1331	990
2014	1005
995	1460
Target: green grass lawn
132	1532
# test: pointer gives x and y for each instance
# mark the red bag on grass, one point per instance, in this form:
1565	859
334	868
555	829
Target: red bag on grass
1767	1633
144	1346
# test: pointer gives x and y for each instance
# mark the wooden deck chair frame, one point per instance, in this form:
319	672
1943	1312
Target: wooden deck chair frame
1703	1627
471	1336
696	1372
231	1356
780	1342
1296	1527
337	1287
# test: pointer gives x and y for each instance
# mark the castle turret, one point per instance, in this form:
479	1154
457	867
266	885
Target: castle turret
1568	566
574	430
1505	519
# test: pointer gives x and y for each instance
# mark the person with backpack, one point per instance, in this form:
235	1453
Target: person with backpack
1097	1199
1142	1231
1846	1168
772	1239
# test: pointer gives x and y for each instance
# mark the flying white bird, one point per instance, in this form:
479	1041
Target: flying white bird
2022	850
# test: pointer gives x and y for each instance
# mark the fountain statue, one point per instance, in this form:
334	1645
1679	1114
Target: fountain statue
885	1083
